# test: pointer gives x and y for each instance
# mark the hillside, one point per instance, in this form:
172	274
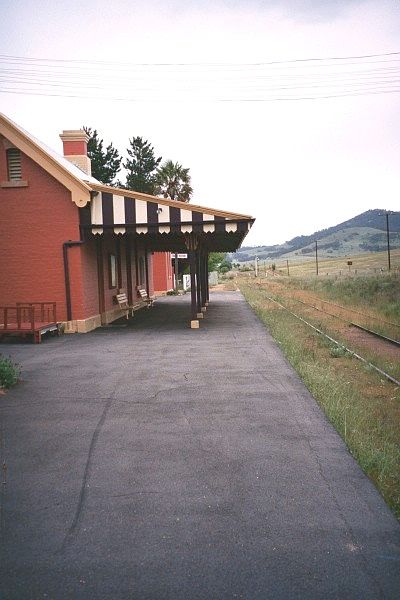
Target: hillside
364	233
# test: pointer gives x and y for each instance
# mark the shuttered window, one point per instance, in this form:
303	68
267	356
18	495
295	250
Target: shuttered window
14	164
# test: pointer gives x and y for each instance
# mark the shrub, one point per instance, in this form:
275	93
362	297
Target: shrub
9	372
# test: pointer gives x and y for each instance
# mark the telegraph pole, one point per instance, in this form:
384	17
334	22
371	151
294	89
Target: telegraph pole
386	214
387	239
316	255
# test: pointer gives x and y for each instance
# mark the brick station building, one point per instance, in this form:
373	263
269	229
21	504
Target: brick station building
67	238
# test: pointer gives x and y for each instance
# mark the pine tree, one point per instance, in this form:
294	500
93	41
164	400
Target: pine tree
105	164
173	181
141	166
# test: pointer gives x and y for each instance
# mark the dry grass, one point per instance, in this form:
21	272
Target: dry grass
363	264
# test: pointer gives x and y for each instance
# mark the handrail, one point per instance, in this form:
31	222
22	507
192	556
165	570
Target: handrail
26	313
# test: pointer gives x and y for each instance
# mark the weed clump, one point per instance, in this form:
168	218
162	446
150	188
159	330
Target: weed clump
338	352
9	372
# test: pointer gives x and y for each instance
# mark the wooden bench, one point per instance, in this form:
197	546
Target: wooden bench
145	297
123	303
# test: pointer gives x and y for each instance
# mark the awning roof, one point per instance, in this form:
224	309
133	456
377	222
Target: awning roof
162	223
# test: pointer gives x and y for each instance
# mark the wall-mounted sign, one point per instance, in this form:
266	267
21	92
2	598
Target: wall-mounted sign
179	255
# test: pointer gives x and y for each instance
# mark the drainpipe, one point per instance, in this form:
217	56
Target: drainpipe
67	245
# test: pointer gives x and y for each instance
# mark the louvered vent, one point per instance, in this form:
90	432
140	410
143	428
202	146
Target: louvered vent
14	164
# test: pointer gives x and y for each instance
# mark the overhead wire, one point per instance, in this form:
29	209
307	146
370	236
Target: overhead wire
222	82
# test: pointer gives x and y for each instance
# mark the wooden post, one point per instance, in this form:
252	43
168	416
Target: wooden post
146	268
203	282
207	283
100	277
119	262
128	268
194	324
198	284
176	261
191	242
136	266
388	240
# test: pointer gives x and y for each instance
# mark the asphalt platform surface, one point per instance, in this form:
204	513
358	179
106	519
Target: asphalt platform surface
151	461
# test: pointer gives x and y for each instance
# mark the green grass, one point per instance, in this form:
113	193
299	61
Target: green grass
9	372
364	409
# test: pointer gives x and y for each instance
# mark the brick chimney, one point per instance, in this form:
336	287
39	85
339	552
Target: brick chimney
75	148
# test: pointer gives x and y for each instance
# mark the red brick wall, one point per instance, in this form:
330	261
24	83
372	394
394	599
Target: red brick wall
89	278
35	221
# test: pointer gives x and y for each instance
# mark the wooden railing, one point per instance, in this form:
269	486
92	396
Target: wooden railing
43	312
27	316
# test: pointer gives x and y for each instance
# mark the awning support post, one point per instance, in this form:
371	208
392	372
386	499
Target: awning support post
176	264
207	282
100	278
191	242
198	282
128	257
146	267
194	323
203	282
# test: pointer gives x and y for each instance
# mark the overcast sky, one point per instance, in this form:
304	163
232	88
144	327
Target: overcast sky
194	78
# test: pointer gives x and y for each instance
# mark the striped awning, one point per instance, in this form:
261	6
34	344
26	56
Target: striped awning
155	217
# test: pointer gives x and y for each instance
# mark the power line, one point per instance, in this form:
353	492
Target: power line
246	82
232	100
274	62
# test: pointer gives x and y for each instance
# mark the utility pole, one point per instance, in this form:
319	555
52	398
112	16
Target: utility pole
316	255
256	265
287	265
386	214
387	239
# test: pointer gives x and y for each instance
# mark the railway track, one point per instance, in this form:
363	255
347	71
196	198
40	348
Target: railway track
338	344
352	323
358	312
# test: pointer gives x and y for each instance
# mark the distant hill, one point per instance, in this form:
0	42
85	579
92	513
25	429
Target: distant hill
364	233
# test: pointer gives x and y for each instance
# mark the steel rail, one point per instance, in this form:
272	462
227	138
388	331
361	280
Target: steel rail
340	345
370	331
358	312
376	334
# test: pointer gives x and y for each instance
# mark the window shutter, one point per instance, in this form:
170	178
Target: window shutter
14	164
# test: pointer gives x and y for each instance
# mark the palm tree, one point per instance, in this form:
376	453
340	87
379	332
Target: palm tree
173	181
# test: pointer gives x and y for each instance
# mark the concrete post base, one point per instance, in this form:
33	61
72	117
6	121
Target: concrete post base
194	324
207	303
200	315
203	309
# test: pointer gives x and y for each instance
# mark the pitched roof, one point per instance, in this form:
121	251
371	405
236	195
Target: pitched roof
82	184
63	162
56	165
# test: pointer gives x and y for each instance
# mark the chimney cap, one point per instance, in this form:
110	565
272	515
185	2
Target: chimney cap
74	135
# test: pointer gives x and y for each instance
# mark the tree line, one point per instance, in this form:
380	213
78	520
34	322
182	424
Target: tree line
145	172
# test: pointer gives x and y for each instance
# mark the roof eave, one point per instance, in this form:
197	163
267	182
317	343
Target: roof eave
80	191
168	201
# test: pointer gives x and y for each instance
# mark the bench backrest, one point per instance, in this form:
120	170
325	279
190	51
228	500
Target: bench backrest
122	300
143	293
